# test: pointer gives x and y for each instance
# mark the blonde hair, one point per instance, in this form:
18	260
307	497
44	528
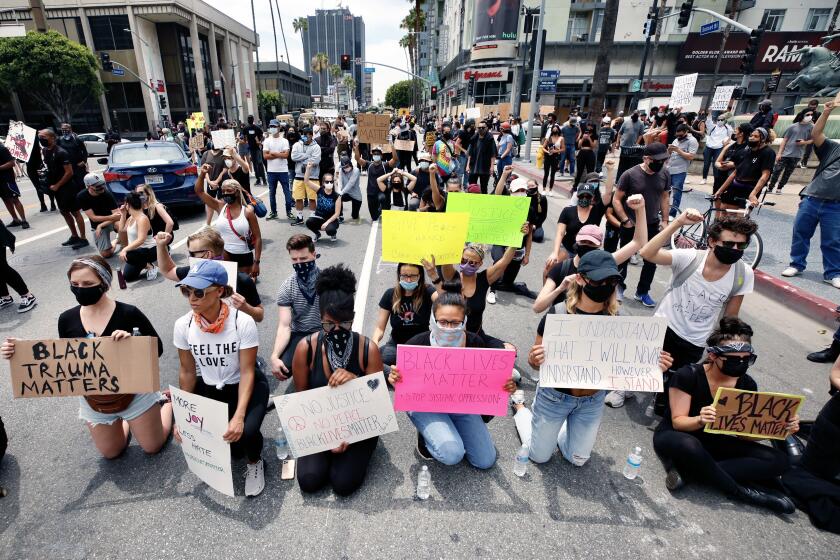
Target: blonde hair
152	199
234	183
573	295
213	237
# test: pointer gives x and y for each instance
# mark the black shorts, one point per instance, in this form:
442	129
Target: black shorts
66	197
9	189
241	259
737	190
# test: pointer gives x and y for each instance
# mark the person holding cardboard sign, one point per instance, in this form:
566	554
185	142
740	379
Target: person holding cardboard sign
110	418
733	465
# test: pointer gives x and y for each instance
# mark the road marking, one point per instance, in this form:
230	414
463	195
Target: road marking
364	280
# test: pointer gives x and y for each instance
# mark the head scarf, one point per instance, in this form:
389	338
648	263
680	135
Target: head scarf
103	273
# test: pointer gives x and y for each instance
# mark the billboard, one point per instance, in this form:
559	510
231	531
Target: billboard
780	50
496	24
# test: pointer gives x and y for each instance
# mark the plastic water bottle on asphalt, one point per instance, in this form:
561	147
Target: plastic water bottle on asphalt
281	445
424	483
634	464
520	463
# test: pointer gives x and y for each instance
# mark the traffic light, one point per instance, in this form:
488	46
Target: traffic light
216	93
738	93
162	101
434	92
650	23
105	59
751	52
471	86
685	13
345	62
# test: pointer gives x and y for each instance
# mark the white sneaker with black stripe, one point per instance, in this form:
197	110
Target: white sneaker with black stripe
255	479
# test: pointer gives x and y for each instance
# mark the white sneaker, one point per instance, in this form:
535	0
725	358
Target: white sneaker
518	397
491	296
791	271
635	260
255	479
152	273
615	399
834	282
702	181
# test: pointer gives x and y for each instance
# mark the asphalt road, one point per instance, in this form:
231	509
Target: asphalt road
65	501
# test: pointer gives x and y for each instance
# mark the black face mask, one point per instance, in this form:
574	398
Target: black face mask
727	255
43	142
88	295
229	198
581	250
734	367
304	269
599	294
533	192
656	166
753	143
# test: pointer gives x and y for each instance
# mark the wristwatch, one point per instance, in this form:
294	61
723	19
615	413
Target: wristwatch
256	261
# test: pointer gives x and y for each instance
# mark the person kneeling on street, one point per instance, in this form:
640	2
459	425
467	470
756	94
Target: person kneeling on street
327	206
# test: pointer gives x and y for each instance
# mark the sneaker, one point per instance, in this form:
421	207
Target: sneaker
27	303
356	221
518	397
491	296
290	215
778	190
14	223
6	301
333	238
24	225
341	219
44	208
516	376
298	222
801	165
635	260
80	243
53	208
152	273
673	480
317	236
72	240
646	300
422	450
703	181
834	282
791	271
271	216
255	479
615	399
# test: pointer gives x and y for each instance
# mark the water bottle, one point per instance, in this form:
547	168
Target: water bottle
634	463
135	332
424	483
520	463
281	446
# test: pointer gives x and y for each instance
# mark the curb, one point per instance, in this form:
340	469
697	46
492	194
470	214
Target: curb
796	299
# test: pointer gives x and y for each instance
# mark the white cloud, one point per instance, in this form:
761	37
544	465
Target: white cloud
382	30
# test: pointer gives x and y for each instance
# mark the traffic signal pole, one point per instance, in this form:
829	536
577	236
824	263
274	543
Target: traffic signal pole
634	102
153	90
534	80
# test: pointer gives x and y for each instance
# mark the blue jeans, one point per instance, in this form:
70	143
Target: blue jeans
825	213
273	177
462	167
451	437
501	163
568	154
709	157
570	423
677	182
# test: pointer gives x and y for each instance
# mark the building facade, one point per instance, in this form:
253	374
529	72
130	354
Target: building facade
172	58
334	33
294	84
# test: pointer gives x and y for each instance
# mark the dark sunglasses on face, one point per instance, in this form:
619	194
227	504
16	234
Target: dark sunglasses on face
740	245
198	254
606	282
740	359
199	293
329	326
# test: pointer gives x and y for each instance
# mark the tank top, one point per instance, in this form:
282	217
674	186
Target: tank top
132	236
234	244
317	375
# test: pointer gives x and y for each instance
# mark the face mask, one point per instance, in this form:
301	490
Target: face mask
807	119
377	158
229	198
532	192
660	114
347	168
467	269
727	255
43	142
228	163
337	345
584	201
88	295
753	143
304	269
410	286
272	130
598	294
304	138
424	165
656	166
734	367
447	337
581	250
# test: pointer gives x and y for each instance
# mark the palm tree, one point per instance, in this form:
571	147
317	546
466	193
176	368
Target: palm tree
319	63
335	73
350	85
300	25
602	63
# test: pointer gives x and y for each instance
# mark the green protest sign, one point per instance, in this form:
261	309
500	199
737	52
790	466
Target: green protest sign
496	220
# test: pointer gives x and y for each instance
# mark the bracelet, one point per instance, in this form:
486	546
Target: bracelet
625	220
437	280
256	261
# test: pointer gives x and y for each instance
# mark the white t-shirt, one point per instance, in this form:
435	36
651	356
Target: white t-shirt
217	355
279	144
693	309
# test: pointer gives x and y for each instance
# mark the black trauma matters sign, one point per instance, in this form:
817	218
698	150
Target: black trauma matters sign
780	50
84	366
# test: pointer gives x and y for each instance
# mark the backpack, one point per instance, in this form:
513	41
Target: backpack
680	278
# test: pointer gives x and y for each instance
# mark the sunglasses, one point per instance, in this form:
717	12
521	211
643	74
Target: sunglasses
750	360
188	292
606	282
329	326
199	253
740	245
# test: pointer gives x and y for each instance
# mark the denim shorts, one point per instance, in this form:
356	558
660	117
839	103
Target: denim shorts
141	403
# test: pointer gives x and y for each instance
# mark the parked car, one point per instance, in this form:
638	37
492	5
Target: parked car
95	143
162	165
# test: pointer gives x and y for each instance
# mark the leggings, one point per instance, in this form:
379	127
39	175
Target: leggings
585	164
314	224
10	277
376	204
136	261
356	206
345	472
251	443
550	163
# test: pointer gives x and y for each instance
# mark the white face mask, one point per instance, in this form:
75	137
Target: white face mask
807	119
228	163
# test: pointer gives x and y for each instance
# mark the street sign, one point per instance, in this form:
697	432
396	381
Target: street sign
547	86
118	71
369	69
554	74
635	85
710	27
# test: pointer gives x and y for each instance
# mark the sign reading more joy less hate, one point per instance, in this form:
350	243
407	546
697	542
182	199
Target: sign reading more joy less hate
410	237
597	352
66	367
322	419
201	423
748	413
494	220
720	101
453	380
683	90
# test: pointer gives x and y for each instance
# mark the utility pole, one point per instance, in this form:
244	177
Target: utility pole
534	81
634	102
257	50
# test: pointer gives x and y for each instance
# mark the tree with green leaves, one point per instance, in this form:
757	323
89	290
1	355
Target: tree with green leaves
399	94
270	102
58	73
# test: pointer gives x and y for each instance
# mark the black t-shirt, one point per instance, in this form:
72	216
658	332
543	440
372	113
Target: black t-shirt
408	322
252	133
749	169
466	139
8	175
636	181
558	272
692	379
55	161
606	136
422	183
245	286
477	302
240	177
569	216
374	171
736	153
102	204
125	318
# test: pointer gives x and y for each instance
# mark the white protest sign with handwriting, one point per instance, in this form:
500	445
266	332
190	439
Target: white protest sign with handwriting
599	352
321	419
202	422
223	138
720	102
683	91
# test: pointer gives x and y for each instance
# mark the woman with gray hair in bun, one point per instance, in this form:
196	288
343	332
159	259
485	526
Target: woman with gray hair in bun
110	418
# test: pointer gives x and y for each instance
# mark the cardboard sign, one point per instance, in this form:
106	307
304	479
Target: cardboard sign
494	220
197	141
456	380
20	140
65	367
430	140
223	138
409	237
598	352
683	90
748	413
202	422
373	129
404	145
720	102
403	111
322	419
473	113
229	266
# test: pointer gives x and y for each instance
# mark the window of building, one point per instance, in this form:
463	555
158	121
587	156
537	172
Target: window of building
188	67
772	20
817	19
597	24
578	28
108	34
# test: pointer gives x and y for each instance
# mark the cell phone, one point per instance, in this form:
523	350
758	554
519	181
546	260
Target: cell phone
288	470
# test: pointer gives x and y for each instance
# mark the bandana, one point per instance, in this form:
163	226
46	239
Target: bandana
103	273
216	326
337	343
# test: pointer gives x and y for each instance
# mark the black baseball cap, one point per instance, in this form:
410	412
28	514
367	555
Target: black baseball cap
590	189
657	151
598	265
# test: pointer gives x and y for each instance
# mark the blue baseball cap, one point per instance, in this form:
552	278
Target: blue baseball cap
205	274
273	122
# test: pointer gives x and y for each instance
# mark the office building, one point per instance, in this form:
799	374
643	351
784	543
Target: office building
334	33
294	84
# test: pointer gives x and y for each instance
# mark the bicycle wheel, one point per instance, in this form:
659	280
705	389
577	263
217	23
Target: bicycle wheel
754	251
692	236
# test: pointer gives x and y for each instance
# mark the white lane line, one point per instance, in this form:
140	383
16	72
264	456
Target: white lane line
364	280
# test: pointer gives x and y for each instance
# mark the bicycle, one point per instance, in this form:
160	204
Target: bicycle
695	236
